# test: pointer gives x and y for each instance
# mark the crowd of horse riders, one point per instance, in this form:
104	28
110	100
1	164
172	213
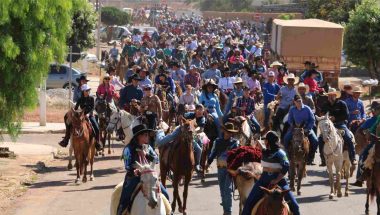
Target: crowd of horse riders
217	70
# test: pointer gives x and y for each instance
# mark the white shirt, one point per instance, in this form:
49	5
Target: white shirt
226	83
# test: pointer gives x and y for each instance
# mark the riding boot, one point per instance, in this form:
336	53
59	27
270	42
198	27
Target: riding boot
66	138
98	146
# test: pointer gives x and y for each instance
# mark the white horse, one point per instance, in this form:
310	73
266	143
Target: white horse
149	200
334	155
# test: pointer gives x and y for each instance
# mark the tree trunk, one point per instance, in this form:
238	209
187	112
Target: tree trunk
371	68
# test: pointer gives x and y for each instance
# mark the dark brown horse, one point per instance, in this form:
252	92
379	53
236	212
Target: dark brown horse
122	67
273	203
211	132
373	181
83	141
179	158
104	113
298	152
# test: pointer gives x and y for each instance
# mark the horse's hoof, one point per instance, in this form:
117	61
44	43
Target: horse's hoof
92	178
109	152
366	212
70	166
77	181
180	209
103	155
84	180
331	196
299	193
346	194
184	213
339	195
203	180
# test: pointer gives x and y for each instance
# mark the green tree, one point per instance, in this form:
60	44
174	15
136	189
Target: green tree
331	10
286	16
362	37
84	21
33	34
114	16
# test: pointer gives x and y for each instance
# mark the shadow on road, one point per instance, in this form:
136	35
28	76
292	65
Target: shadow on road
103	172
108	187
51	184
107	158
311	199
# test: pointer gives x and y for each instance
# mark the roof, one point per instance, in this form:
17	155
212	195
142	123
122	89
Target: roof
309	23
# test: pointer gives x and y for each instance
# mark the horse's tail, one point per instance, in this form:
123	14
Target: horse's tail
372	188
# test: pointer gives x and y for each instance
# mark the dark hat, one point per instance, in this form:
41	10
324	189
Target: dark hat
246	88
297	97
215	62
230	127
307	63
272	137
82	77
314	71
140	129
135	77
314	66
375	105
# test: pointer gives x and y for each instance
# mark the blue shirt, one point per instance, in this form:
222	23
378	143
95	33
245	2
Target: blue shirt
128	93
201	121
130	156
369	123
212	74
212	102
179	75
169	80
220	148
277	157
304	116
355	105
270	91
287	96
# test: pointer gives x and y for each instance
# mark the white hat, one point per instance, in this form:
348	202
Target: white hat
190	107
106	76
271	74
334	91
85	87
238	80
291	76
276	63
302	85
357	89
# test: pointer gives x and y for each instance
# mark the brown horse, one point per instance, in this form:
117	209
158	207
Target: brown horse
104	113
121	67
211	132
373	181
362	140
179	158
298	152
83	141
272	203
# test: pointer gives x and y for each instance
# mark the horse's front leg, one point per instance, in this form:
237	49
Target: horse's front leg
77	166
329	163
338	182
185	192
109	142
367	201
292	174
175	193
378	200
85	164
300	173
71	149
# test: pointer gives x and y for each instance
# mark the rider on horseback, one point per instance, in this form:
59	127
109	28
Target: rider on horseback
356	109
106	90
246	105
236	92
151	107
275	166
301	114
338	113
198	115
86	103
137	150
130	92
270	90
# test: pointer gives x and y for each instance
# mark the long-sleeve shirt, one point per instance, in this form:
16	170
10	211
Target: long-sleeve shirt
369	123
169	82
154	105
220	148
130	50
87	104
212	102
179	75
128	93
254	84
287	96
354	105
303	116
201	121
193	79
108	91
313	85
247	103
115	81
305	73
130	156
212	74
226	83
186	99
275	160
338	110
270	91
77	94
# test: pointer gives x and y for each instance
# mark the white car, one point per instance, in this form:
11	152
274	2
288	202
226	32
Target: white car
91	58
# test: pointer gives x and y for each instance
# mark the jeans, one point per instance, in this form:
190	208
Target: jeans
256	193
347	139
130	184
312	138
95	126
266	116
216	121
197	146
363	156
225	186
277	119
255	126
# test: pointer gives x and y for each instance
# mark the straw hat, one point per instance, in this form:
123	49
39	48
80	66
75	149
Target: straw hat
334	91
291	76
302	85
276	63
357	89
230	127
238	80
209	82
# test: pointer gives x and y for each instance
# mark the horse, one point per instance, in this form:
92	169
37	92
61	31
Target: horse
149	200
68	120
179	158
211	132
245	134
260	114
362	141
245	179
168	110
373	181
122	119
121	67
334	155
272	203
298	152
83	142
104	111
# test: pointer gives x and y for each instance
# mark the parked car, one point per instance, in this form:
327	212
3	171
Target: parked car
142	29
117	33
58	76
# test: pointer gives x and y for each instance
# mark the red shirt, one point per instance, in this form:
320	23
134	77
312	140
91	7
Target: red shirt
313	85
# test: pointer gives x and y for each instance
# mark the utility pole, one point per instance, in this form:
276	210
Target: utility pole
70	75
98	10
42	102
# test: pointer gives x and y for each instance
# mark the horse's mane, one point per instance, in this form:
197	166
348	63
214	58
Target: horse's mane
244	154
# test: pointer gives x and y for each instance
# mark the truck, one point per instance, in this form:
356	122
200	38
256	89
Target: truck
314	40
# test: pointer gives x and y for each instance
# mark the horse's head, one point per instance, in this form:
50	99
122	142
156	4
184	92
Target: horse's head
101	105
77	119
150	183
187	126
298	138
275	200
326	127
114	122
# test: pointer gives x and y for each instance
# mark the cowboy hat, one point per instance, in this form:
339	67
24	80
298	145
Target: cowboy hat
302	85
276	63
181	48
230	127
291	76
140	129
190	107
106	76
85	87
82	77
357	89
260	45
333	91
238	80
209	82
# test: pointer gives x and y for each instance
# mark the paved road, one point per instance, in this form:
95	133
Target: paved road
55	193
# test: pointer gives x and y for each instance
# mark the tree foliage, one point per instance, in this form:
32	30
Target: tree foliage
33	34
287	16
362	37
114	16
331	10
84	21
